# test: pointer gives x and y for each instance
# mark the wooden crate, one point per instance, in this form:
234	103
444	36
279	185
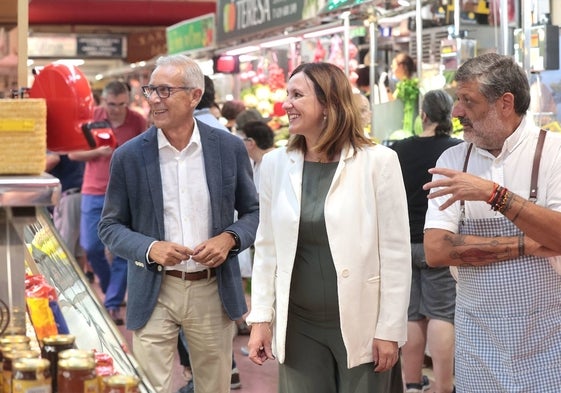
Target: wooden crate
23	136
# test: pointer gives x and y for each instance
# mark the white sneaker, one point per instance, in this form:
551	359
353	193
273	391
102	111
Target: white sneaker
235	382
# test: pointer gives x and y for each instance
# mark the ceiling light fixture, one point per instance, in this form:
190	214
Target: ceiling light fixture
70	62
281	42
320	33
243	50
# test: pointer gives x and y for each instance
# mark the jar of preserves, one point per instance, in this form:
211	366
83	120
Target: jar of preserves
52	346
121	384
76	353
14	339
6	348
77	375
11	339
31	376
7	361
11	347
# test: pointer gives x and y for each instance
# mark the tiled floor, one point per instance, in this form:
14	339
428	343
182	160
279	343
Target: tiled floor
254	379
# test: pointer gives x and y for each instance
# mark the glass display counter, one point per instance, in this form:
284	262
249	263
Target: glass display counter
28	238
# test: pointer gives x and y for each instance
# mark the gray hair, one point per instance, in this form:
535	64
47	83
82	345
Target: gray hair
192	73
497	75
437	105
115	88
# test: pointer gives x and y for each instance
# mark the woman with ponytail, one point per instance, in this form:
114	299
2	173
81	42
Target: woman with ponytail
433	290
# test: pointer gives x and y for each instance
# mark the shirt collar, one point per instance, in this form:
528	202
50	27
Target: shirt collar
195	138
516	137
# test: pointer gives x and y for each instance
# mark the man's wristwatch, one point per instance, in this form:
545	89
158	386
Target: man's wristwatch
237	246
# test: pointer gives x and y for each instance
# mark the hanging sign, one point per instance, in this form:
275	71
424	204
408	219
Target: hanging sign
243	18
92	46
192	34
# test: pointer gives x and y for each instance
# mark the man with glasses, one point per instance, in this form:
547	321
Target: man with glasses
126	124
169	211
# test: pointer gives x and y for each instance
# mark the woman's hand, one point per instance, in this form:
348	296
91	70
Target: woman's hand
385	354
259	344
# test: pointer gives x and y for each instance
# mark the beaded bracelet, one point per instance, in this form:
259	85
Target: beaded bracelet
506	202
499	198
493	193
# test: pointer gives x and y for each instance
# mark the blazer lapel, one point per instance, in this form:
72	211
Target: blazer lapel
213	168
295	174
153	176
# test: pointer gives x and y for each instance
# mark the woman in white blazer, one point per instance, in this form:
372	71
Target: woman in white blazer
332	257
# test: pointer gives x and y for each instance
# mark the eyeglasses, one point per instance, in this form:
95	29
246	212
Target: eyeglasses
162	91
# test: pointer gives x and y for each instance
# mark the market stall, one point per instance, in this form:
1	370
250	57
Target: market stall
43	291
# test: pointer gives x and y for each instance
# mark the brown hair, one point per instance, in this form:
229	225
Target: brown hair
343	124
407	62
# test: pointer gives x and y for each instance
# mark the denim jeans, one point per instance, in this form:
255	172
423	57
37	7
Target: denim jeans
112	276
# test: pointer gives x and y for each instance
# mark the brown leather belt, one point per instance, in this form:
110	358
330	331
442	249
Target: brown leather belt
192	276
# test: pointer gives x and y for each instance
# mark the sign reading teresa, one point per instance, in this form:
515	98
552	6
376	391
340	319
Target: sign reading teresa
239	18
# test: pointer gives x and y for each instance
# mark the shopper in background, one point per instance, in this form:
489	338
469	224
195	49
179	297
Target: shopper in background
433	290
259	139
230	110
66	213
203	111
339	310
126	124
248	115
215	110
403	67
170	211
480	218
365	112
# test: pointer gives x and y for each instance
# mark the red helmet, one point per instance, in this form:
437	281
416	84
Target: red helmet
70	106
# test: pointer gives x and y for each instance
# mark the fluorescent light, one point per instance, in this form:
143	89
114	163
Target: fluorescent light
243	50
280	42
319	33
74	62
403	3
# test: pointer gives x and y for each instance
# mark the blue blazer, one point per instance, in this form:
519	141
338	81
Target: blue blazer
133	218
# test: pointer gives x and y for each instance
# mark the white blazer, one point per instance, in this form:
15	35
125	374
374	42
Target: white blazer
368	229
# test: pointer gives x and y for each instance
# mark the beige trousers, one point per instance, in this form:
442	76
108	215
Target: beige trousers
196	307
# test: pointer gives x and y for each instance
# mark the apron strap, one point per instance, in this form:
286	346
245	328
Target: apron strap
536	167
468	154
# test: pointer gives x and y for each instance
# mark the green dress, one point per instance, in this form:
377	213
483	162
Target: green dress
316	358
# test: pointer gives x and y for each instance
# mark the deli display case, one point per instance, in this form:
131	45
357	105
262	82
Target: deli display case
31	246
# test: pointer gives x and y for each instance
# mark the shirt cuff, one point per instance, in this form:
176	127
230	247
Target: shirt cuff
148	253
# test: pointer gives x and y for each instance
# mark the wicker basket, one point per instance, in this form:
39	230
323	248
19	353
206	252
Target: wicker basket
23	136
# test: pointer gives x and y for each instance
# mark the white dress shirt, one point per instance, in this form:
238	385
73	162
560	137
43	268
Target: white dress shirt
187	213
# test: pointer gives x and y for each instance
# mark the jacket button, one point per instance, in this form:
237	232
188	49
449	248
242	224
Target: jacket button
345	273
160	268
